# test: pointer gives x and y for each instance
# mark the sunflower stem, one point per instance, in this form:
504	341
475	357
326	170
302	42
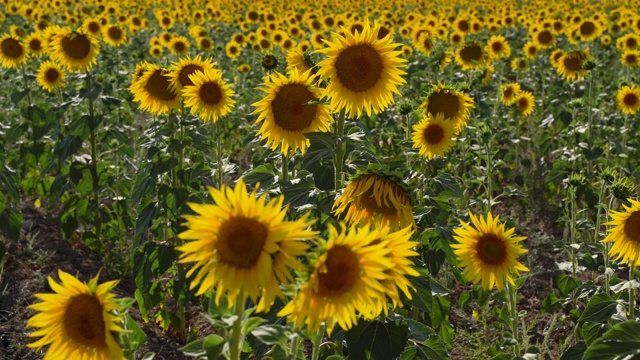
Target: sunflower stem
285	168
513	298
605	255
572	227
220	172
632	292
489	169
338	158
236	332
27	88
295	343
317	341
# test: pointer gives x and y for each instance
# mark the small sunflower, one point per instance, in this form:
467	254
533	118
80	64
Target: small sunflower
605	40
243	246
628	99
34	44
364	71
374	198
526	103
156	51
519	64
628	42
544	39
286	114
555	57
179	45
244	68
455	105
630	58
471	56
153	91
625	234
498	47
424	44
434	135
74	50
77	320
210	97
570	65
530	50
346	280
12	52
233	49
114	35
510	93
50	76
180	71
487	252
588	30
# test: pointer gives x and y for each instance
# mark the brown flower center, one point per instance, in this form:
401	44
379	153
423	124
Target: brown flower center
343	271
359	67
496	46
443	102
11	48
114	33
587	28
545	37
471	52
491	249
433	134
290	107
210	93
241	241
76	46
51	75
84	323
35	44
183	75
158	86
630	99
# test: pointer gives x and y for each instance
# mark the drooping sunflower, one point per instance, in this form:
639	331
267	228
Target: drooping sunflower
471	56
210	97
498	47
373	198
77	320
153	91
74	50
50	76
454	104
364	71
630	58
346	280
625	233
243	246
510	93
526	103
286	114
12	52
180	71
570	65
628	99
114	35
487	252
434	135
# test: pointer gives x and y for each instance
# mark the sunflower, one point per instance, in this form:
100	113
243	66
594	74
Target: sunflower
589	30
210	97
233	49
544	39
297	59
424	44
156	51
456	38
50	76
487	252
570	65
74	50
605	40
242	245
153	91
34	44
180	71
455	105
204	43
364	71
525	102
286	114
628	99
244	68
630	58
401	246
375	198
92	26
628	42
12	52
77	320
555	57
625	233
471	56
114	35
346	280
179	45
498	47
530	50
510	93
519	64
434	136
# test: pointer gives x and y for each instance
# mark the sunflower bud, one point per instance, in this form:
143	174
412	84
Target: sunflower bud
269	62
405	107
608	175
623	188
577	180
588	64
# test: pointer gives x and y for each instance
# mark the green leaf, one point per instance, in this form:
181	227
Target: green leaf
322	147
566	284
11	222
251	323
432	349
211	347
621	342
550	304
149	356
419	331
446	183
271	334
133	335
380	340
599	309
3	200
263	174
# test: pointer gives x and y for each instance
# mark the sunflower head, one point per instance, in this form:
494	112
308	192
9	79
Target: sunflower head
50	76
364	71
471	56
181	70
453	104
487	252
74	50
625	233
210	97
434	135
628	99
12	51
77	320
526	103
570	65
510	93
154	92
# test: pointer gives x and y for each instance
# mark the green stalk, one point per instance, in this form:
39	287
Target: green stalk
489	169
295	343
236	332
572	198
514	316
316	343
94	163
26	84
632	292
220	172
605	255
338	158
285	168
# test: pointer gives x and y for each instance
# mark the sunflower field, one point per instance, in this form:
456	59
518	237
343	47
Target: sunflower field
402	179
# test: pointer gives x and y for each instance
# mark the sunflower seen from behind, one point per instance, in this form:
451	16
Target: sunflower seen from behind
50	76
625	233
364	71
375	198
345	281
77	321
243	246
286	114
628	99
210	97
74	50
487	252
433	136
